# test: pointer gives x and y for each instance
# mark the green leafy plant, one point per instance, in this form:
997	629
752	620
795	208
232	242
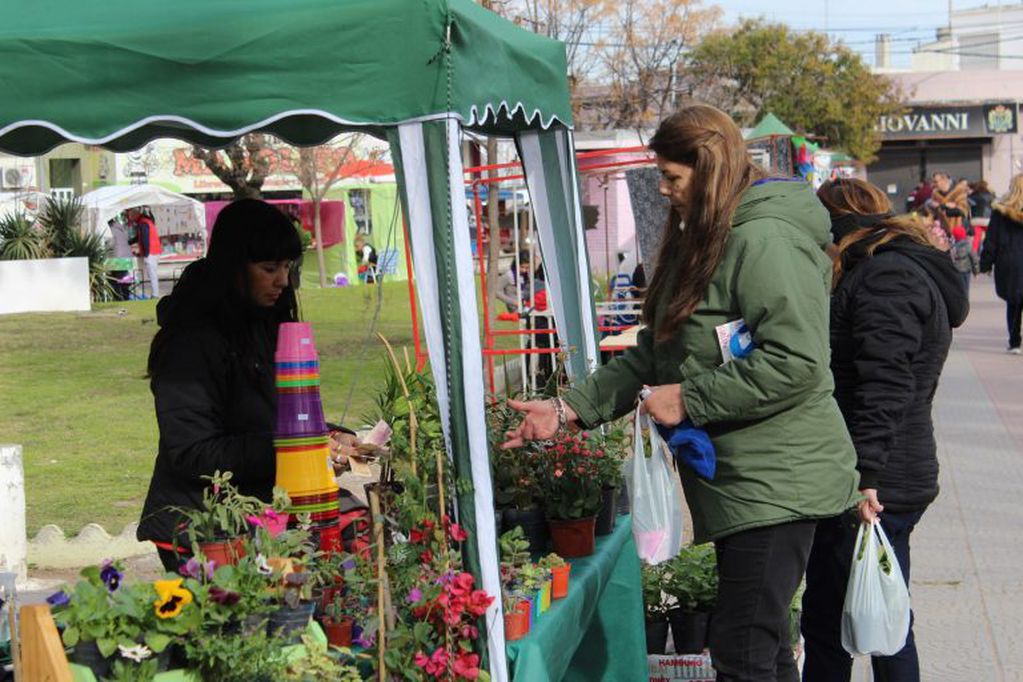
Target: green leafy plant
612	449
654	602
317	664
691	578
20	239
65	237
514	548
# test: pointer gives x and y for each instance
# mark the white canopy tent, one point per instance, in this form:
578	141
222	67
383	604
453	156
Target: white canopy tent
174	213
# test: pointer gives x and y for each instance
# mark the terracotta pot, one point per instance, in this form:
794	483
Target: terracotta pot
560	581
573	537
516	622
608	511
339	633
224	553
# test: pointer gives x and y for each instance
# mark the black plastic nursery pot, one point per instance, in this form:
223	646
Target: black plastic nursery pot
689	630
290	623
608	511
656	636
533	525
87	654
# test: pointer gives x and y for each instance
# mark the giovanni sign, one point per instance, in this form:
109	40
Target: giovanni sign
982	120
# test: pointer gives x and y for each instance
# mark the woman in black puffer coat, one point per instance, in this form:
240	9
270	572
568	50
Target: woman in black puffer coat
1003	251
896	299
211	367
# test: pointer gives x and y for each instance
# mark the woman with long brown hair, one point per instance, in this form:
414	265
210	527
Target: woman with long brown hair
746	252
896	298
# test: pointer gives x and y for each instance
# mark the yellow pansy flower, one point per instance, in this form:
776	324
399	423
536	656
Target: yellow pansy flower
171	598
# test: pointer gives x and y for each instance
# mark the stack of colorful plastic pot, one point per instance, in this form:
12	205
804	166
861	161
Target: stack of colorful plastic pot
300	439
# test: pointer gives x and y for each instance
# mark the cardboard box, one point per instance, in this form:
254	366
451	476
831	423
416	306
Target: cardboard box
680	667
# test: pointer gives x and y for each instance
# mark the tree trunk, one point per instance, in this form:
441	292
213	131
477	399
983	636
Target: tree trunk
494	229
318	233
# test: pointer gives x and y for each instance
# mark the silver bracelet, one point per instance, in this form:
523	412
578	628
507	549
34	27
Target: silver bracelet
559	407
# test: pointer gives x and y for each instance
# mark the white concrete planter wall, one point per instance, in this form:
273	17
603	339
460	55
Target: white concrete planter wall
46	285
13	543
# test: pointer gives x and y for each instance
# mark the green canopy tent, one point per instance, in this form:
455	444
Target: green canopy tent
416	72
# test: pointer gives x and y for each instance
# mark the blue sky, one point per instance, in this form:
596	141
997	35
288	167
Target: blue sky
908	21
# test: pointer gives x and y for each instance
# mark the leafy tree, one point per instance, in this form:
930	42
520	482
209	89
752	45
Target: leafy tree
815	85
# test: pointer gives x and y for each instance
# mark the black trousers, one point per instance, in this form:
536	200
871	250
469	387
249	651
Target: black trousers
759	571
827	576
1013	318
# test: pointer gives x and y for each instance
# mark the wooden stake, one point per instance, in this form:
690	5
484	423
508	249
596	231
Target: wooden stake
378	535
413	424
42	656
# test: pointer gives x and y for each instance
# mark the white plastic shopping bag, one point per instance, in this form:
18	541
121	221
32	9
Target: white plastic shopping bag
875	617
653	497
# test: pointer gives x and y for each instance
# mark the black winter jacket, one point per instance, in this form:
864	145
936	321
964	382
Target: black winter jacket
891	327
215	400
1003	250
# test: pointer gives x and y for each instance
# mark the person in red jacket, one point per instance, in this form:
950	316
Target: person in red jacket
148	240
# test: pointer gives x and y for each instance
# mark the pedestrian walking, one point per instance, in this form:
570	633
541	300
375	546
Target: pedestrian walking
752	252
896	299
1003	252
964	258
981	198
148	240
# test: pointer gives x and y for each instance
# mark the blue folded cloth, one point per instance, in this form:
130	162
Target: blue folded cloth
693	446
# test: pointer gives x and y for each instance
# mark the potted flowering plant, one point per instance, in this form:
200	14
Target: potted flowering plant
216	528
230	642
572	492
106	620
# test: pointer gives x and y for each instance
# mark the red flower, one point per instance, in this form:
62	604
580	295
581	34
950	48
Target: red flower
426	557
462	584
466	666
469	632
559	473
457	534
436	664
479	602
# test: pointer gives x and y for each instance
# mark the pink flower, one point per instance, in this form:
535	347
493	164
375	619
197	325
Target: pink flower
457	534
273	522
479	602
559	473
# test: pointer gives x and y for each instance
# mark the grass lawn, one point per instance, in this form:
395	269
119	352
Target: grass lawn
75	395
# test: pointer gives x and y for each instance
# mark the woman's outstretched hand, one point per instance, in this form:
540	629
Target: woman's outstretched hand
539	422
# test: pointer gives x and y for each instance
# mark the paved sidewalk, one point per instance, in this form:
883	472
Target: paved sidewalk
967	582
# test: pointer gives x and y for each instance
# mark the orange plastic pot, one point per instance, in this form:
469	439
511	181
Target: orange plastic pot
516	622
339	633
226	553
573	537
560	587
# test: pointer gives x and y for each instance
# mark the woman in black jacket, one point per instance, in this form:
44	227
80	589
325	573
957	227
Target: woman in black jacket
211	366
895	301
1003	251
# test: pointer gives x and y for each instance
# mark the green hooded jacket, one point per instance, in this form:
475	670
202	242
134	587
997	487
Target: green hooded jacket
783	451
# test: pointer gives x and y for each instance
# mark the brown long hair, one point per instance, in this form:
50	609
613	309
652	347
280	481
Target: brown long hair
708	141
859	197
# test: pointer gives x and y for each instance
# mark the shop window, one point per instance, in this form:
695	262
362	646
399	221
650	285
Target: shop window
360	203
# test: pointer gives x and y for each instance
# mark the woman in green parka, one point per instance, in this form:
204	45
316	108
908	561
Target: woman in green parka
752	250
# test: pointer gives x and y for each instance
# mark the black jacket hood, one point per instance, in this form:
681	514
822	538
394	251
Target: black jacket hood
937	264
